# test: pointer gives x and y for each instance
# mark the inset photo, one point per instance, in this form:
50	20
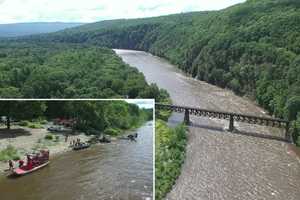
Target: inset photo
83	149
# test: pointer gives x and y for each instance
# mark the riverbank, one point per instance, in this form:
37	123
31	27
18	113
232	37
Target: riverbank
170	148
26	140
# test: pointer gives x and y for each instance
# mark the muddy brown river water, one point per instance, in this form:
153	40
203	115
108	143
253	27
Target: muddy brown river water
221	165
122	170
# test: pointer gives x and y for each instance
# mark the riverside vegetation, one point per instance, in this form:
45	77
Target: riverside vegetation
170	152
170	146
48	70
92	117
252	48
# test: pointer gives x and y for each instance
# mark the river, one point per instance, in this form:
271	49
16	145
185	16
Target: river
122	170
221	165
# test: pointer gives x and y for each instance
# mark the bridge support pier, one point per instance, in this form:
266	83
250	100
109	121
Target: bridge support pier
231	124
187	117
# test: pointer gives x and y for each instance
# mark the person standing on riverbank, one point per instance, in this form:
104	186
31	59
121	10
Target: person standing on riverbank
66	137
11	165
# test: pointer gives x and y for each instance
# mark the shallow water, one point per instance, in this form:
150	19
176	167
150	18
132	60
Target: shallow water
122	170
221	165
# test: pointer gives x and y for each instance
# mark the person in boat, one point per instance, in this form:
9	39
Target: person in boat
30	165
44	156
38	159
21	163
28	158
131	137
30	162
136	135
11	165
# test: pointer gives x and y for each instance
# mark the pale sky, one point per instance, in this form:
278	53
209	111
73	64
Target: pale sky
15	11
142	103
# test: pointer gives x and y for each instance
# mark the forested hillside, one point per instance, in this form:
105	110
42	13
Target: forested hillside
252	48
22	29
68	71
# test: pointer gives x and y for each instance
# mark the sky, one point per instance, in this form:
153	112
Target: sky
16	11
142	103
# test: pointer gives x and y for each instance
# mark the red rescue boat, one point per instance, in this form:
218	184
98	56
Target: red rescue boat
34	162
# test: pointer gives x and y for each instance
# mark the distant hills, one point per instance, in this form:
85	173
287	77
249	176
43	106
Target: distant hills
23	29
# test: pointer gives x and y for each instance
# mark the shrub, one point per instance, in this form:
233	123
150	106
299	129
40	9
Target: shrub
235	85
43	122
112	132
93	132
56	138
49	137
24	123
292	107
296	130
35	126
10	153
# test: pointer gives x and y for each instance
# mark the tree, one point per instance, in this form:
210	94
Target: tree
88	114
292	107
20	110
296	130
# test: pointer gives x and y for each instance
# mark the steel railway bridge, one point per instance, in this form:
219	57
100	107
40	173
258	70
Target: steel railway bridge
232	117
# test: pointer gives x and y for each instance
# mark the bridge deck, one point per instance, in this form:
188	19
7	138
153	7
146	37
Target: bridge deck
250	119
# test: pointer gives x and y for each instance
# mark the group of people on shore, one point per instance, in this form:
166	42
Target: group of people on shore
74	143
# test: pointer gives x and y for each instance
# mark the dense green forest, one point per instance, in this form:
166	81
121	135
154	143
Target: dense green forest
110	117
55	70
252	48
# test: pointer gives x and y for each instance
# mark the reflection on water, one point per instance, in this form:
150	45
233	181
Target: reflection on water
221	165
122	170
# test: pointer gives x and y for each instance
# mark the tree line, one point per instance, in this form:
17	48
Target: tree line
91	116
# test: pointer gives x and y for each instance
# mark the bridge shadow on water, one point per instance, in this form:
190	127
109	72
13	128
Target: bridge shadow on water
236	131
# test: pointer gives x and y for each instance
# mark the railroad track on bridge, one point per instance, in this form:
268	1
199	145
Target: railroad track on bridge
232	117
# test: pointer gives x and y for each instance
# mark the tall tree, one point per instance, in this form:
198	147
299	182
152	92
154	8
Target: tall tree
20	110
